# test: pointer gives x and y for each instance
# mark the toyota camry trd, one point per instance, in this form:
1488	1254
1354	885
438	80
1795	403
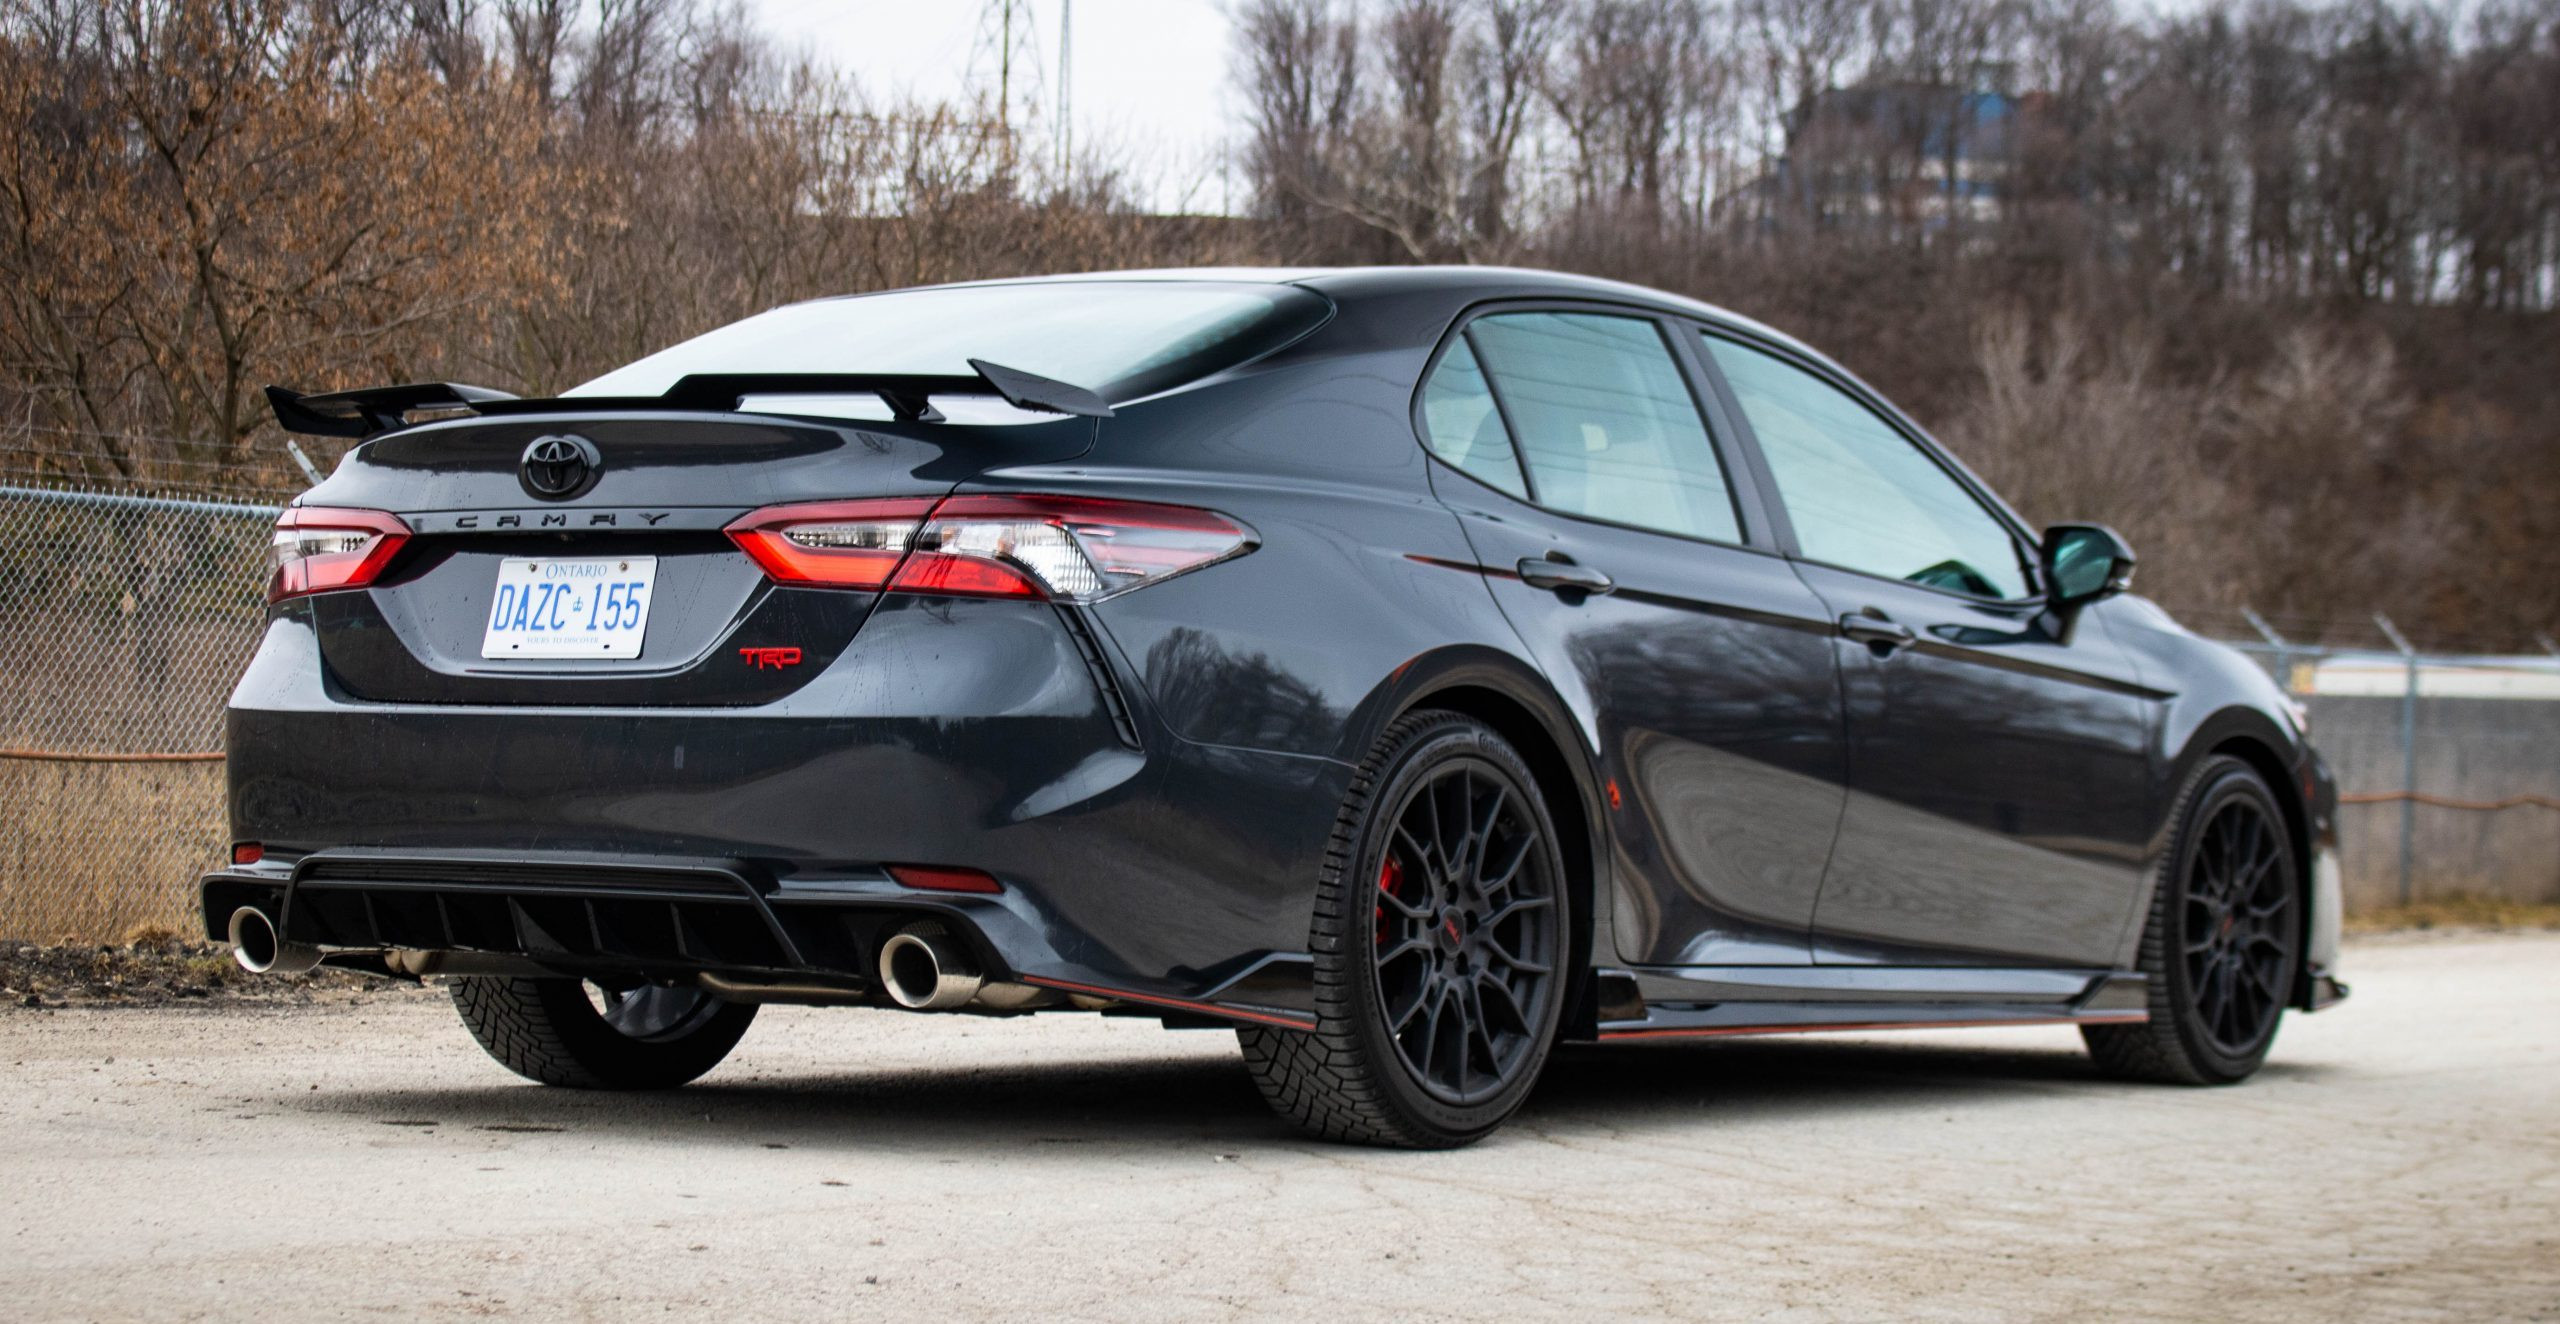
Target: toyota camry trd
1411	669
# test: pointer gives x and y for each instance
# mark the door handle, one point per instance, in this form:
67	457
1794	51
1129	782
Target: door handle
1876	630
1544	572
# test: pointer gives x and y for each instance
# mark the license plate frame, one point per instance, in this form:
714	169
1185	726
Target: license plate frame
563	608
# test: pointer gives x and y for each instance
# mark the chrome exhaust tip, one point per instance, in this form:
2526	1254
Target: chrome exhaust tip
260	950
926	969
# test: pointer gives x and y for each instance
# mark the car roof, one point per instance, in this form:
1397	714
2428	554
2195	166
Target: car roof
1346	283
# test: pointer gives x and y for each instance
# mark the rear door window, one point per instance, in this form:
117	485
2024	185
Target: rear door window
1597	408
1461	424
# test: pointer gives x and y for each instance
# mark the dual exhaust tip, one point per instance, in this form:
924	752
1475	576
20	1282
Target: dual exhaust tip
922	966
261	950
925	969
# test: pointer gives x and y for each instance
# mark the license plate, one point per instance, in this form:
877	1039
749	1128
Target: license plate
546	607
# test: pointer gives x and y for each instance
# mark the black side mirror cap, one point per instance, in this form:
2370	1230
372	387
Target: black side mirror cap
2086	562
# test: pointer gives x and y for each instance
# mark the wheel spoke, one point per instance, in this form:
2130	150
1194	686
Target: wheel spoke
2261	979
1397	1022
1487	983
1480	1034
1481	824
1494	948
1408	947
1514	909
1449	822
1412	910
1500	880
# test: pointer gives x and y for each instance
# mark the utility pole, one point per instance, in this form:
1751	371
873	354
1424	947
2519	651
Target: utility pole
1066	88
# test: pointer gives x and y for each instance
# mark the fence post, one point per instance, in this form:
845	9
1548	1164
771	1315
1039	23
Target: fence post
2284	651
2408	754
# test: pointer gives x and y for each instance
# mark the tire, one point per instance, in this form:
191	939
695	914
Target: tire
650	1037
1438	988
2222	948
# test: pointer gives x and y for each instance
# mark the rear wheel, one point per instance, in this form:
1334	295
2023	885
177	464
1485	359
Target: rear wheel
590	1036
2224	942
1439	942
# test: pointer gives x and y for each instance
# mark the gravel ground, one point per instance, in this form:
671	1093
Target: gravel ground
2398	1159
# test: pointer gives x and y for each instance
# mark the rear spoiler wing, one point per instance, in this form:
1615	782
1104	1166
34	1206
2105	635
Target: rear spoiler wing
909	396
374	409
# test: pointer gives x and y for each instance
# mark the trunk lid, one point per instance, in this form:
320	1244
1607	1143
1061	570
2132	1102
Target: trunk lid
658	492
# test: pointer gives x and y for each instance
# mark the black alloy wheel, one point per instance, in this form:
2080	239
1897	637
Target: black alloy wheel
1440	943
2237	936
1465	946
2223	946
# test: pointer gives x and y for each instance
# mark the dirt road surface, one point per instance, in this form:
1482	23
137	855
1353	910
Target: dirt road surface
2398	1159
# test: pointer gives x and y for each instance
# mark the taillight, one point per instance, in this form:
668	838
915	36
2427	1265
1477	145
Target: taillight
1070	549
831	544
318	549
1074	549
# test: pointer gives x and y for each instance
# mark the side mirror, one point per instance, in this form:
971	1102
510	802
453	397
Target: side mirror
2085	562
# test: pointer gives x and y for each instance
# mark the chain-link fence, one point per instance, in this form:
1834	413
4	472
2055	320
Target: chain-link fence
125	619
2448	765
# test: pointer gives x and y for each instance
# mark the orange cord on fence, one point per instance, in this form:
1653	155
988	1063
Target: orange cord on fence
2448	802
76	756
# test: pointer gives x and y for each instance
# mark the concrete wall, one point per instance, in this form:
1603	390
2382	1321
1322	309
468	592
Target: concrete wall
2468	749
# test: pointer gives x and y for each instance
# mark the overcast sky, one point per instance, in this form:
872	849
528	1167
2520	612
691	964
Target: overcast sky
1150	75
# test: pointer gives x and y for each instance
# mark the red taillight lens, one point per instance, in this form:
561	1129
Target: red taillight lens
318	549
247	852
1072	549
831	544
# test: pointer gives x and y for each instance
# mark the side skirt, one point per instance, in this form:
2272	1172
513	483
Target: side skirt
1697	1003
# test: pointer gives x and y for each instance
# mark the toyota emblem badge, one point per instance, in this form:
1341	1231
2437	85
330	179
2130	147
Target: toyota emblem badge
557	468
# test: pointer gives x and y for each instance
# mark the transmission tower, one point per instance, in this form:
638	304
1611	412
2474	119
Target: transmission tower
1004	67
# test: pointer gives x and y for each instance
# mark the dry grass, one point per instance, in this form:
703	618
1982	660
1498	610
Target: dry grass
95	852
2456	912
159	969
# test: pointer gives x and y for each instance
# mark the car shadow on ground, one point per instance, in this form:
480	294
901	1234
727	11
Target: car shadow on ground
1207	1101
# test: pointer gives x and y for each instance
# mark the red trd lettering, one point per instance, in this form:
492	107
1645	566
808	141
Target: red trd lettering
776	658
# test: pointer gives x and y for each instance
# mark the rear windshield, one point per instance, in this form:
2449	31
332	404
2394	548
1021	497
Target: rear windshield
1119	339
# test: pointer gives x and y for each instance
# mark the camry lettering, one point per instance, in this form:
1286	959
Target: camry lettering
593	519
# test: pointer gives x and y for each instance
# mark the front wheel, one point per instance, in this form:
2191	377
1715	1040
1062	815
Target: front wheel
589	1036
1440	948
2223	945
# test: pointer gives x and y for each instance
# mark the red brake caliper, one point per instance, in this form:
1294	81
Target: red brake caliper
1390	877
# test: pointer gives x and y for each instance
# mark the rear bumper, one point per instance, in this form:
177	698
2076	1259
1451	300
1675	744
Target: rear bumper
677	918
986	735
